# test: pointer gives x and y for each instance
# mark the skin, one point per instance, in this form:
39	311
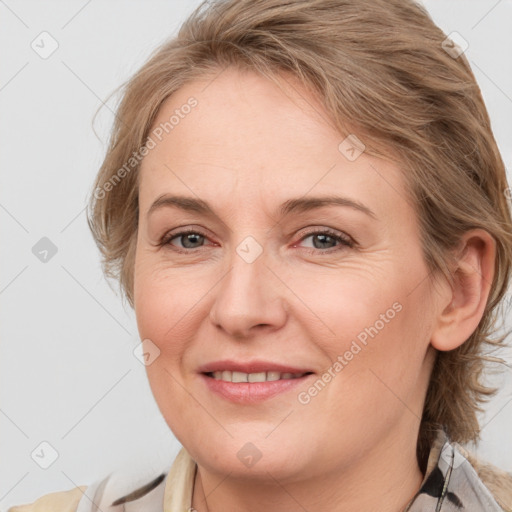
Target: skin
246	148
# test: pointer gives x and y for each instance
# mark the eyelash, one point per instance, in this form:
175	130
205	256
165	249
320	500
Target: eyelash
344	240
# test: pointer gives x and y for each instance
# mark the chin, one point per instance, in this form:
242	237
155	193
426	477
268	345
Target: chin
254	456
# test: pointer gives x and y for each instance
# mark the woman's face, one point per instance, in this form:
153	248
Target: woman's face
304	258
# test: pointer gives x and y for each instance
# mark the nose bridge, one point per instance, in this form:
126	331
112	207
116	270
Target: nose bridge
246	295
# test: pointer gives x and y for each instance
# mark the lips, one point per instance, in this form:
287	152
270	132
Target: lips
251	382
251	367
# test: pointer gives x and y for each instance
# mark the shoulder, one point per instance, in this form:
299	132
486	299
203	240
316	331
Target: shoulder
63	501
120	489
497	481
105	495
455	476
129	489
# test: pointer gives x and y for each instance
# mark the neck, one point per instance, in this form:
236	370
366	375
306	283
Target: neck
385	480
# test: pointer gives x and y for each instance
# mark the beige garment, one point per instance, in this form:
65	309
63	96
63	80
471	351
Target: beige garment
180	483
174	493
64	501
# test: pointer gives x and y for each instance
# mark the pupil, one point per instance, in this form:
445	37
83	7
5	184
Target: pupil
190	239
322	240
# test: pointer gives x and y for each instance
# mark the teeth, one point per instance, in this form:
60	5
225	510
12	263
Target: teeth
257	377
239	377
229	376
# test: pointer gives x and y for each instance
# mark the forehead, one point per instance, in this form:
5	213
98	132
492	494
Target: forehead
247	136
242	114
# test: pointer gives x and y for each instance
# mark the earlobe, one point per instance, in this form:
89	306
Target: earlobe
465	301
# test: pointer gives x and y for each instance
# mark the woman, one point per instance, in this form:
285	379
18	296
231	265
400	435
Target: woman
306	207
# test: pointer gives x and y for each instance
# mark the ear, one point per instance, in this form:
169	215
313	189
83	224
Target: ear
462	305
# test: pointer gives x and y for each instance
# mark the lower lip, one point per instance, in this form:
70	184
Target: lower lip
252	392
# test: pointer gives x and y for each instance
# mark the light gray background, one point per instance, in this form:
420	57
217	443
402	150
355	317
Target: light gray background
68	374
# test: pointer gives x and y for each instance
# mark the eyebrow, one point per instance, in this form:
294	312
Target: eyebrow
299	205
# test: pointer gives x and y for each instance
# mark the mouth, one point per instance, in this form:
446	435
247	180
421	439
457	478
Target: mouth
240	377
251	382
241	388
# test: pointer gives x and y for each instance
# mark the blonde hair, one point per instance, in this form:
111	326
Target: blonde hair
380	67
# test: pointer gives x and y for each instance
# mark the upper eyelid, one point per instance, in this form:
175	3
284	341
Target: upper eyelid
310	232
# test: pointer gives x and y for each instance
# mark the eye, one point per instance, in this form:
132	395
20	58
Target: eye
327	239
322	239
189	240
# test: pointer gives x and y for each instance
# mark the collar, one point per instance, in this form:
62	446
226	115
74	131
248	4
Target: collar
179	483
450	483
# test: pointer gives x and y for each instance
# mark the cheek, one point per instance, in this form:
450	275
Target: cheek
163	317
163	299
169	308
378	333
347	304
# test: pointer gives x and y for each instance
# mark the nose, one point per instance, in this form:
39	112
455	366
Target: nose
248	299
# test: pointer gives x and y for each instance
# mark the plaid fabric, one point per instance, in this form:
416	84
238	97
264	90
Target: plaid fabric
452	483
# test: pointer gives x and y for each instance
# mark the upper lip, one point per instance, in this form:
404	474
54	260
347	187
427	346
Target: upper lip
250	367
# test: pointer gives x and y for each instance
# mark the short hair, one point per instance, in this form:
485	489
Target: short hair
382	70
